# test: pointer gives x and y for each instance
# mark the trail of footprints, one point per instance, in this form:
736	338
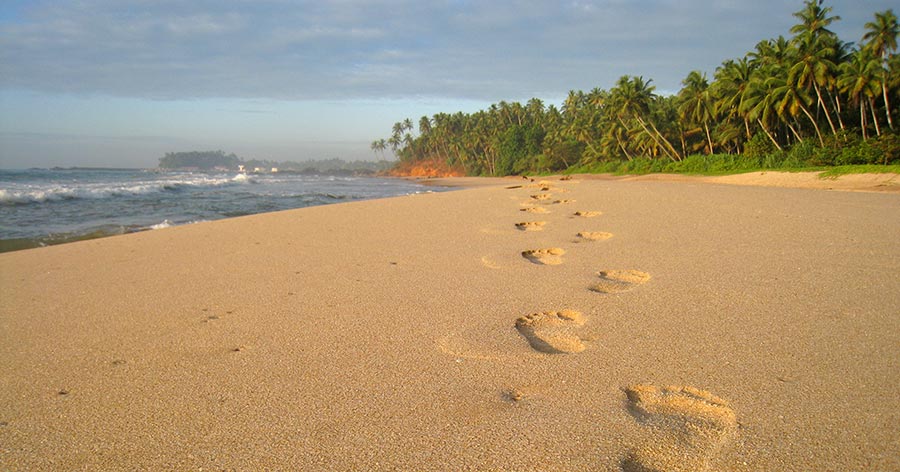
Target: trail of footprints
687	426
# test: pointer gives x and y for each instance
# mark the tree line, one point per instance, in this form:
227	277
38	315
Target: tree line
807	99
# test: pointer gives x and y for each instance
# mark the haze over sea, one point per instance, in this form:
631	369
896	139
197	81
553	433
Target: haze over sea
40	207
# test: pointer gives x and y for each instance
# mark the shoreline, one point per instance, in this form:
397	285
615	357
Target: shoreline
868	182
56	209
655	324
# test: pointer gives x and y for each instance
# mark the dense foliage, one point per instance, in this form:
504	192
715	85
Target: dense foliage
810	99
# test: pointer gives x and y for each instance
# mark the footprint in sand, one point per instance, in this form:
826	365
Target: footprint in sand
593	235
553	332
549	256
615	281
542	196
691	426
588	214
560	202
531	225
535	210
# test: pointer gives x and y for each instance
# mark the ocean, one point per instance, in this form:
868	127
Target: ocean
40	207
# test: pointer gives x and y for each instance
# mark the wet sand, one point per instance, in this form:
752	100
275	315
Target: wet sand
703	327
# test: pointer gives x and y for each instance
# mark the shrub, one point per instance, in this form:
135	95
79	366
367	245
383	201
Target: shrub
860	153
889	145
759	146
804	152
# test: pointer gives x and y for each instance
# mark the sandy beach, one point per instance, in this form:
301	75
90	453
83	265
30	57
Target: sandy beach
565	325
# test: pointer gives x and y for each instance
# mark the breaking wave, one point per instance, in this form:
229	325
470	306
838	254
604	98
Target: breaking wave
83	191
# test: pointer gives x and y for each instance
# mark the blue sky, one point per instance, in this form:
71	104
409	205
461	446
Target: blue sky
120	82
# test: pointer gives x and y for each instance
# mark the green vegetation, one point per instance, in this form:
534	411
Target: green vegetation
808	101
837	171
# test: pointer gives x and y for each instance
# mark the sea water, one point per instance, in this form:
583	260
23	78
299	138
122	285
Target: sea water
40	207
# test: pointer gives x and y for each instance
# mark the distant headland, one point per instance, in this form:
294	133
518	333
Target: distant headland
220	161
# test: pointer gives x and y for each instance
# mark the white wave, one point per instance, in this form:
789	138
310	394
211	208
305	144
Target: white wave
36	196
242	178
71	191
164	224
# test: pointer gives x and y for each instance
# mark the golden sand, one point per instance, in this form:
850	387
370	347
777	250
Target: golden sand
411	334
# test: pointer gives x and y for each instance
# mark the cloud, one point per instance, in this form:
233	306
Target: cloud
352	49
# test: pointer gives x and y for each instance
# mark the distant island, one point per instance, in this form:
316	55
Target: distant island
220	161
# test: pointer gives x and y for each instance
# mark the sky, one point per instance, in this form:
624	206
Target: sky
121	82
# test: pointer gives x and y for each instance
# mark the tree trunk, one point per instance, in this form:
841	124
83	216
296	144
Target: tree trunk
666	141
772	138
796	134
619	142
815	125
862	119
874	116
708	137
887	105
824	109
836	98
653	137
627	156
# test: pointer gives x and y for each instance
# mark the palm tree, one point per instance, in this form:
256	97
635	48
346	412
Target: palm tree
881	35
759	103
815	45
814	20
697	104
634	96
535	111
771	53
732	82
814	70
859	80
378	146
791	101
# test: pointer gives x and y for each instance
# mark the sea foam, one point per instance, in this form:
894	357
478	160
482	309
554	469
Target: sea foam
48	193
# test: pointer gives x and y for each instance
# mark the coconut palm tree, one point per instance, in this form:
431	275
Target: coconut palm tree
813	69
378	146
792	99
771	53
859	80
881	37
697	104
815	45
732	81
760	104
633	95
